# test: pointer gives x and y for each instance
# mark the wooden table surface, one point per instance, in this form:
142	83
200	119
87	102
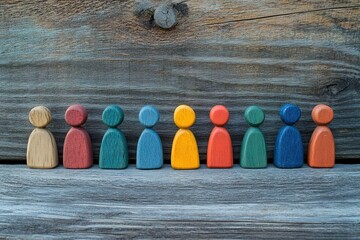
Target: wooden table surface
266	203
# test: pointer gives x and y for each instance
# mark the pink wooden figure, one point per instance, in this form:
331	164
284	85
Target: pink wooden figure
77	151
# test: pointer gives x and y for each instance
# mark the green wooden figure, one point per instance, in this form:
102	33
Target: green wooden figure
114	149
253	148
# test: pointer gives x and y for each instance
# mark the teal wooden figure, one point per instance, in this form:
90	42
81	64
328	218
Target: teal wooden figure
288	152
114	148
253	148
149	154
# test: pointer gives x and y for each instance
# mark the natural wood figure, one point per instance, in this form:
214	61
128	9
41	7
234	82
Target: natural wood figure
289	151
41	148
253	148
77	152
114	147
149	154
219	151
184	152
321	152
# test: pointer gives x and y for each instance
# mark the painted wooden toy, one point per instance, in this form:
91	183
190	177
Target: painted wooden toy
321	152
114	148
77	151
253	148
41	148
184	152
149	153
289	151
219	152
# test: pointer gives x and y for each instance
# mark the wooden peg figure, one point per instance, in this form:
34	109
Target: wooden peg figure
184	152
253	148
219	152
114	148
289	151
41	149
321	152
77	151
149	153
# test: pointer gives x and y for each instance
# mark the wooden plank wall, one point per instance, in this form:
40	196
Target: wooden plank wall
237	53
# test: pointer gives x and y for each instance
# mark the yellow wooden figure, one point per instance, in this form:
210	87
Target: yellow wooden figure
184	152
41	148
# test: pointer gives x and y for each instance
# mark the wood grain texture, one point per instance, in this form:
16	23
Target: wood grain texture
302	203
252	52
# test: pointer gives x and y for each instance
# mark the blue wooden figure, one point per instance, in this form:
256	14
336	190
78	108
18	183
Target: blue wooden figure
149	153
114	149
253	148
289	151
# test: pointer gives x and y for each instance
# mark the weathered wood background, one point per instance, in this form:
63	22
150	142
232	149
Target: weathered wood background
237	53
232	203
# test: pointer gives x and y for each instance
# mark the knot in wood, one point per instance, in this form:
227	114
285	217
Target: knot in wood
165	16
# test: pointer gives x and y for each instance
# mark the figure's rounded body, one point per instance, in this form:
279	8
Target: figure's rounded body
288	152
321	148
149	154
219	152
41	149
77	152
184	153
113	150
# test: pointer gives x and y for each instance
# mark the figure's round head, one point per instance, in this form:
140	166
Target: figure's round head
76	115
322	114
149	116
40	116
184	116
254	116
113	116
290	113
219	115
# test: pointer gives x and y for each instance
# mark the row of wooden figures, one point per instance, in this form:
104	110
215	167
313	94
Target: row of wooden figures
77	152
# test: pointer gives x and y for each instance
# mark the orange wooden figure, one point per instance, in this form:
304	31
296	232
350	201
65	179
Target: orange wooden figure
219	152
321	152
77	151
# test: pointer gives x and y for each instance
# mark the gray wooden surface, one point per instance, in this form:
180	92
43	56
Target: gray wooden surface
237	53
202	204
